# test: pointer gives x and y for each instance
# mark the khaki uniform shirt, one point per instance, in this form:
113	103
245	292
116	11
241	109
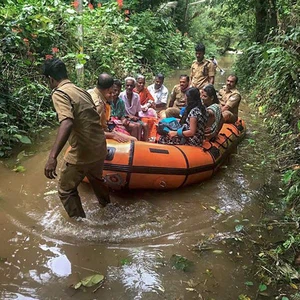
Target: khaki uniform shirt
102	106
179	97
230	98
87	139
200	73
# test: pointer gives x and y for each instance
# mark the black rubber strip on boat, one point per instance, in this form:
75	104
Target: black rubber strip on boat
240	126
162	151
156	170
214	152
130	162
232	132
187	166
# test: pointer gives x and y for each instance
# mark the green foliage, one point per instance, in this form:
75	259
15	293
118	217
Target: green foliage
28	33
89	281
181	263
215	24
262	287
145	43
33	30
272	70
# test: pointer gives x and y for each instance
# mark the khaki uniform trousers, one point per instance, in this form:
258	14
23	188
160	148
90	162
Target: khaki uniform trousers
71	176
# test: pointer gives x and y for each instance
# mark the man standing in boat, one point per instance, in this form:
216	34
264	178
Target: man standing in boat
202	70
80	126
230	99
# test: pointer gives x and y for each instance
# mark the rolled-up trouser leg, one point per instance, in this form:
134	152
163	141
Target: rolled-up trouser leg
70	178
94	175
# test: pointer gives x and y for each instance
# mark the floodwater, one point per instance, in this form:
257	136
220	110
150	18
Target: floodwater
191	243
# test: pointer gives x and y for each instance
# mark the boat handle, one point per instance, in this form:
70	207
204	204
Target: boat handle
232	132
222	145
110	153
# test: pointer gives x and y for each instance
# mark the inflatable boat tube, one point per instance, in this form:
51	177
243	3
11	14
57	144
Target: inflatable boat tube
143	165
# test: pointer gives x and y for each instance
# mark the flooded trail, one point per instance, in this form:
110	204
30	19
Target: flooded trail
181	244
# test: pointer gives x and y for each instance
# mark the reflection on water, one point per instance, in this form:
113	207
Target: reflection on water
132	240
138	274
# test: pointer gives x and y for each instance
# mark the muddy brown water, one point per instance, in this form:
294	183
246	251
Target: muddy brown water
132	242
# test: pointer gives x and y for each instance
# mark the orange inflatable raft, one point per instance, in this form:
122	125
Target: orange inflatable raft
143	165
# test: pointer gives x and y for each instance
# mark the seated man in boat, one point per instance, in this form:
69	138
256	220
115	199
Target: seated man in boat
193	122
102	97
214	110
230	99
146	99
160	93
133	107
118	113
178	99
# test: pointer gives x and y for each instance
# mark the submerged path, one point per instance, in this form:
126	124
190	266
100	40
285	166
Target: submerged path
182	244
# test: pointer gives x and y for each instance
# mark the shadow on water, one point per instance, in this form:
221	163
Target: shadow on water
133	240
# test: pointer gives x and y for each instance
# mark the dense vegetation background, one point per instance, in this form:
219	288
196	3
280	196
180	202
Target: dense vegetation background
134	36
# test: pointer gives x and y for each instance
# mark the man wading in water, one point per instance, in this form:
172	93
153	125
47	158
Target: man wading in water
80	126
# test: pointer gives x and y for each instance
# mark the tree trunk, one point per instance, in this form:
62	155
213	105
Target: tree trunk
261	17
266	18
273	22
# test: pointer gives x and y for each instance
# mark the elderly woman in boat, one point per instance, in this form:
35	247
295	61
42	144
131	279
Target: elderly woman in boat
193	122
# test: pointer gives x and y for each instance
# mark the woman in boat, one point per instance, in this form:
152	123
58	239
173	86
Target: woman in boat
214	110
193	122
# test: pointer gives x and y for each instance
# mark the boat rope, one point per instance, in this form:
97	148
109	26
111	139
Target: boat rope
222	145
239	126
232	132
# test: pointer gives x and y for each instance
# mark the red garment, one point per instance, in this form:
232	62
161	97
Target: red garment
120	3
152	125
144	95
118	126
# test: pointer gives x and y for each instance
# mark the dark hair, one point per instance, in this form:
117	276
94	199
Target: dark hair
55	68
200	48
105	81
233	75
160	76
186	76
211	92
118	83
193	100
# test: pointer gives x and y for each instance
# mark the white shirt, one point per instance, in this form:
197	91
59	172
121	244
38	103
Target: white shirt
160	95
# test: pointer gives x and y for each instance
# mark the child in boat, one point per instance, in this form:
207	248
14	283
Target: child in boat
193	122
214	110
